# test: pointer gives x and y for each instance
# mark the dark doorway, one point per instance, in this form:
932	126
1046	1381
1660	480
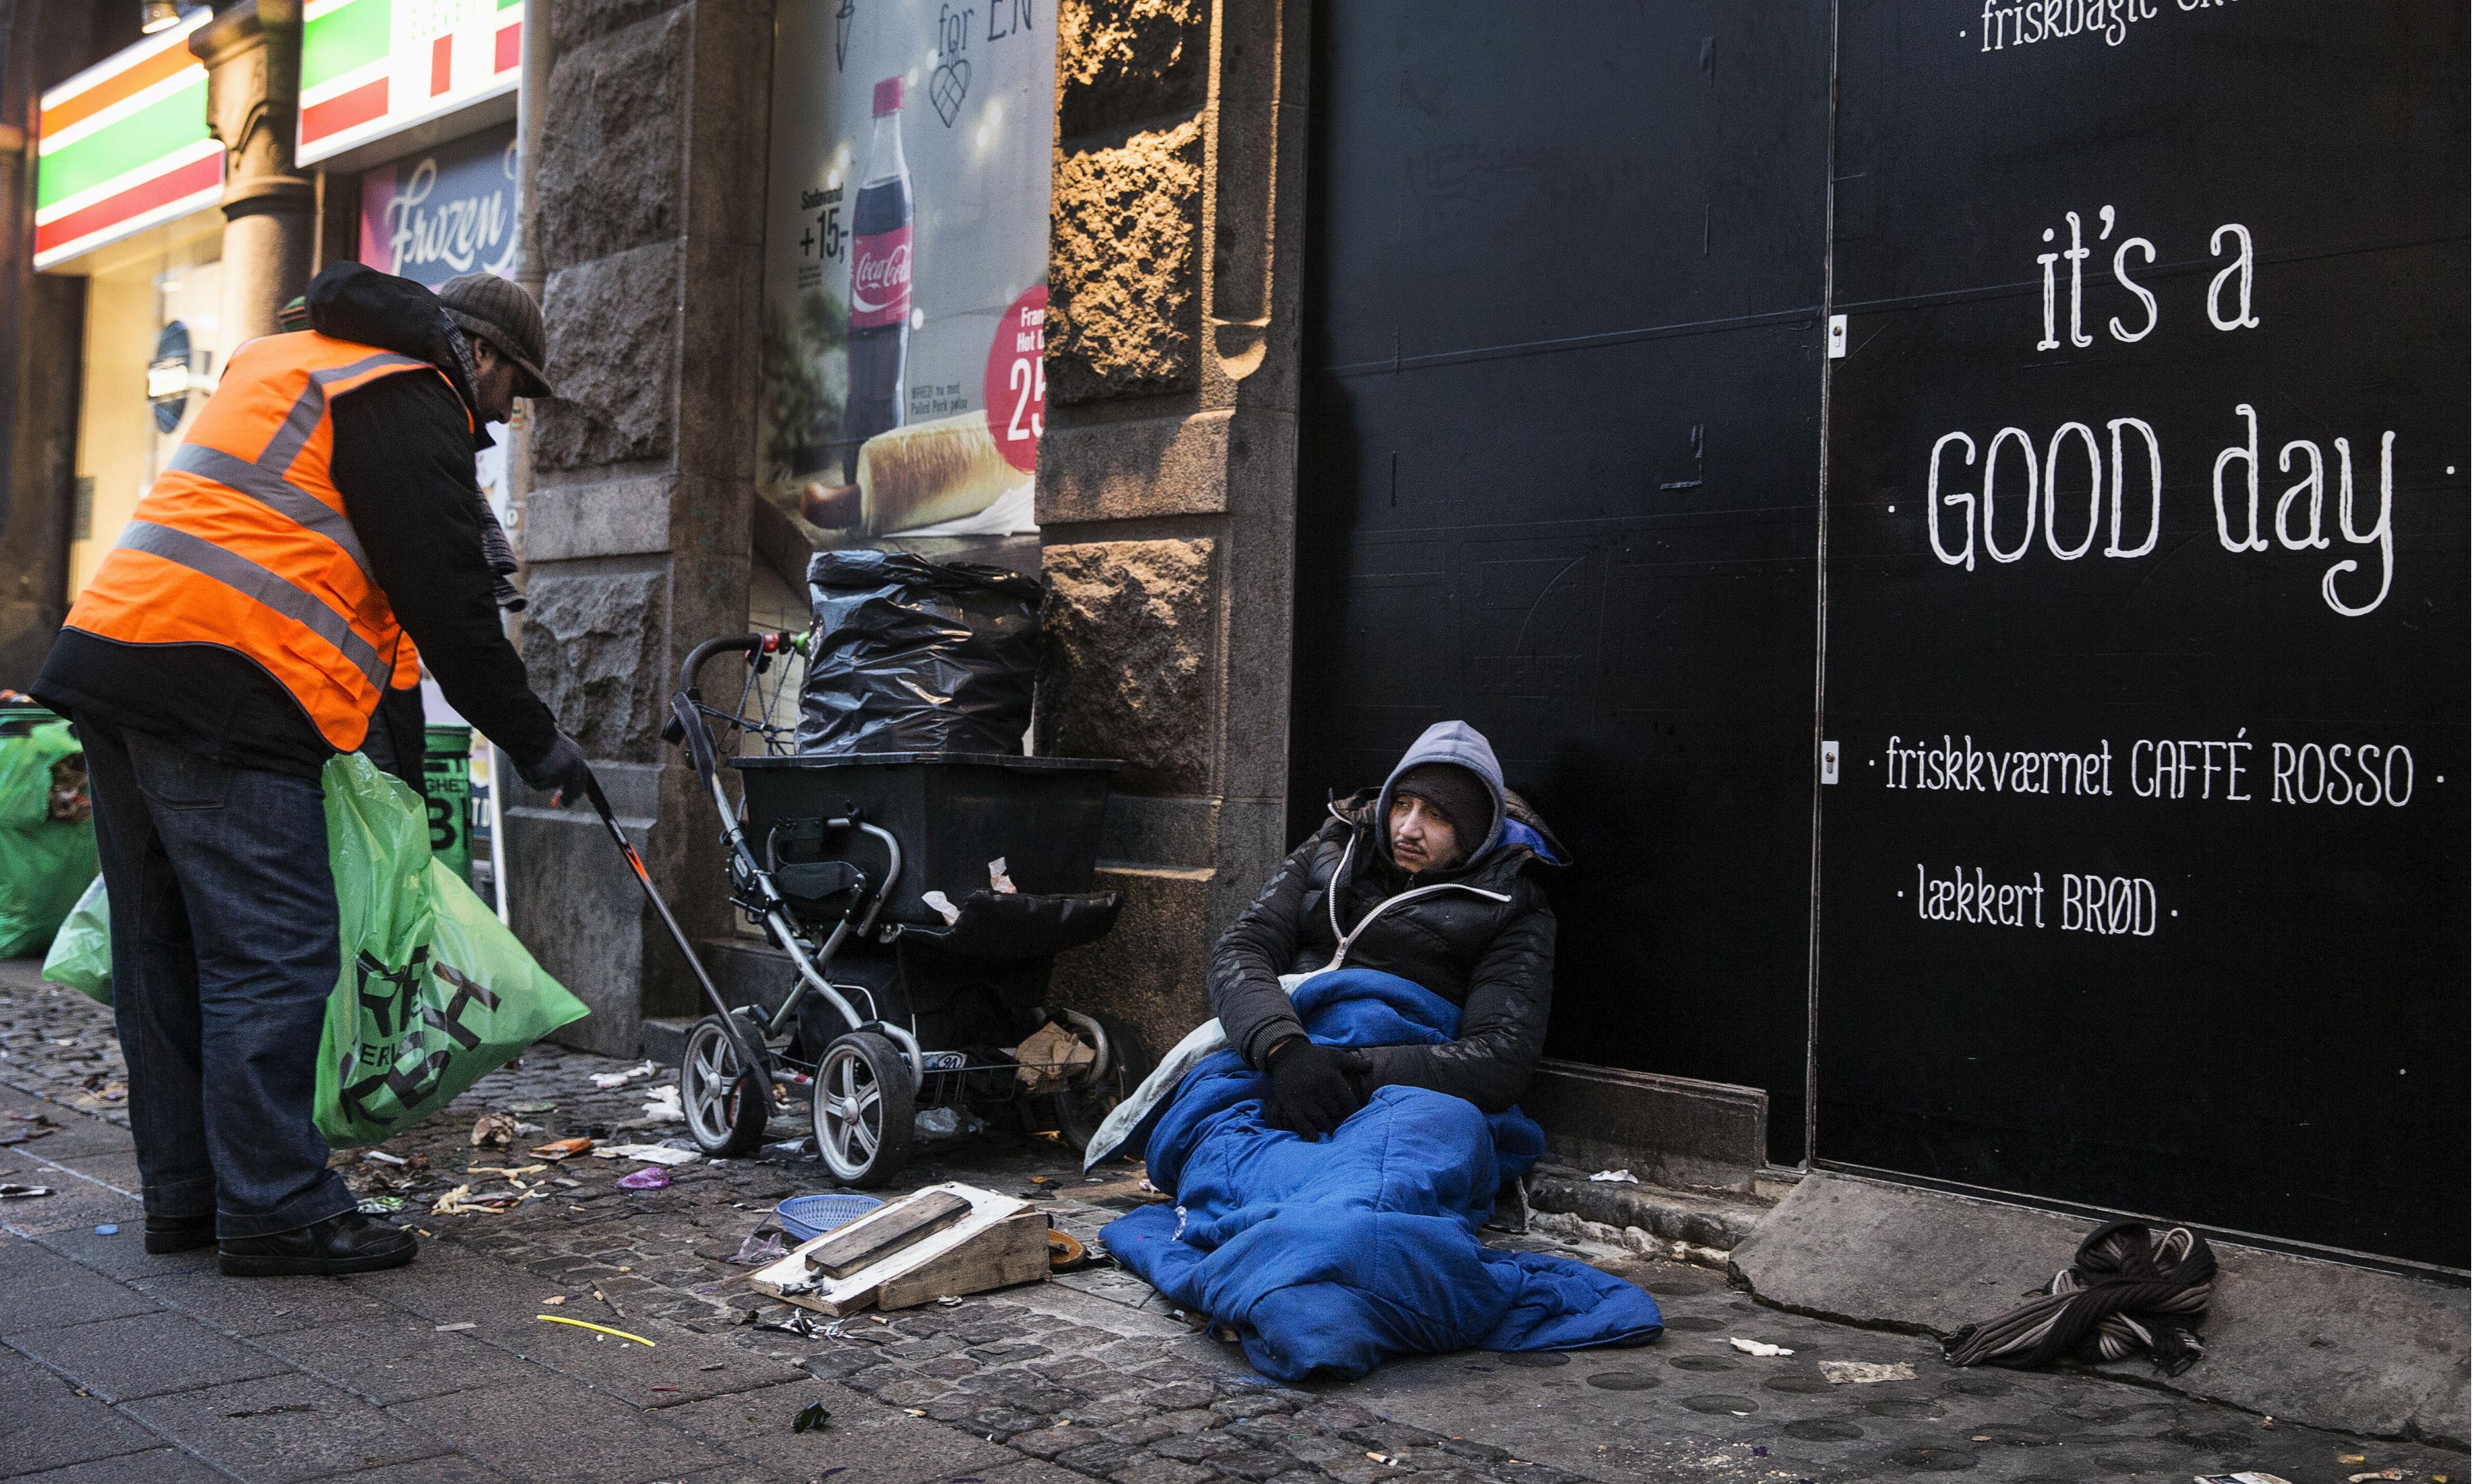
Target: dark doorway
1559	477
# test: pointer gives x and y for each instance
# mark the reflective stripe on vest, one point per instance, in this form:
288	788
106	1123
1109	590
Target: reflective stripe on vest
252	551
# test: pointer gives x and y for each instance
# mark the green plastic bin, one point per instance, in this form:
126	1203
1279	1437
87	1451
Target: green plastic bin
447	780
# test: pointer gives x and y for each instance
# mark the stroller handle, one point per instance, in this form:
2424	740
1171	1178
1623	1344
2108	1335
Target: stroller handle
733	643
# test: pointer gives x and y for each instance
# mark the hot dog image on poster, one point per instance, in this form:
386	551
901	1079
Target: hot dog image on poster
906	273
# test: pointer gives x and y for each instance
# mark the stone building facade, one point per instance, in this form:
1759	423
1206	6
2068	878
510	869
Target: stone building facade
1164	489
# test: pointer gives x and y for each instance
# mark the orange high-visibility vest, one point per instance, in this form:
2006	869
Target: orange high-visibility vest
243	542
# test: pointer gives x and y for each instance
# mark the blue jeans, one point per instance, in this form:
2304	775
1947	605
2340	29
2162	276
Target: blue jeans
224	931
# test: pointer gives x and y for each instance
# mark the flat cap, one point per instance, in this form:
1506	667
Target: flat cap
500	312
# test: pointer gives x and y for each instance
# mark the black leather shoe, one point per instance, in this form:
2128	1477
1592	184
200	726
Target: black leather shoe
349	1243
180	1233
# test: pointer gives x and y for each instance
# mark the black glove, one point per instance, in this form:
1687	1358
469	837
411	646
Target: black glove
561	772
1313	1087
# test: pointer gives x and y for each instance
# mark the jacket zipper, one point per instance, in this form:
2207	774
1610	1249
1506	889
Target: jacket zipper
1331	902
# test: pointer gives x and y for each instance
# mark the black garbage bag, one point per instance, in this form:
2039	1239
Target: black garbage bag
915	656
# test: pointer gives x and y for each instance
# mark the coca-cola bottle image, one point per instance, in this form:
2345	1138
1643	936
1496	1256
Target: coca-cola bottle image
879	301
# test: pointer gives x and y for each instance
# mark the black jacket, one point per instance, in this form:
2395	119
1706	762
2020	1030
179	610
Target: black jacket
1484	941
403	463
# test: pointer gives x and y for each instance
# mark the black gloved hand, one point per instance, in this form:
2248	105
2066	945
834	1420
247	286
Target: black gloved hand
560	772
1313	1087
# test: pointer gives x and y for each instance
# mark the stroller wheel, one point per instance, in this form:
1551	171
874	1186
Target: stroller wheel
864	1105
1081	1106
725	1103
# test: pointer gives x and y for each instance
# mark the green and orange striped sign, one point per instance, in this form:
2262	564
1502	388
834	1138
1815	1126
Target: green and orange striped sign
123	146
371	67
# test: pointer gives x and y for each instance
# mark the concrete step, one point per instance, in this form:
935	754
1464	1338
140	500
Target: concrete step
1713	1223
666	1041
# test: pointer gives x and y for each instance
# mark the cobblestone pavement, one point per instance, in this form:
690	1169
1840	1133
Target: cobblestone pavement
117	1366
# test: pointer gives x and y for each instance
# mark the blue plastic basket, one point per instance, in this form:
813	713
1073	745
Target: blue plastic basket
810	1216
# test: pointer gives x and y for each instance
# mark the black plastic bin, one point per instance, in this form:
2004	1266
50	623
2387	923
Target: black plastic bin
952	812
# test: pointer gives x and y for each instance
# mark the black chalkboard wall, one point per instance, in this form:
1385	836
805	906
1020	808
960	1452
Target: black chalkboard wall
2144	881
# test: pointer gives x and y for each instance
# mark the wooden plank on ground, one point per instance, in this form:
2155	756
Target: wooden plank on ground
882	1233
1012	1251
793	1281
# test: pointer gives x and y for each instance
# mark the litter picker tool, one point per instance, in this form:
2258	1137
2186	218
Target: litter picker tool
747	1057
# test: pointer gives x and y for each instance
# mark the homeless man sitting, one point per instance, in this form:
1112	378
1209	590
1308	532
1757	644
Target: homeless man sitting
1432	877
1415	938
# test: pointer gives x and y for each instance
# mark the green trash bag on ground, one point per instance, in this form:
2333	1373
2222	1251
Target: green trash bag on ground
436	994
80	955
44	861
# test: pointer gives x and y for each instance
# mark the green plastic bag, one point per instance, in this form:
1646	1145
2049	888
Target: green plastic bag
436	994
44	862
80	955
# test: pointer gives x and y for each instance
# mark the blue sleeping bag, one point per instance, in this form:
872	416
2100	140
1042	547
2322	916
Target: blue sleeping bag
1328	1257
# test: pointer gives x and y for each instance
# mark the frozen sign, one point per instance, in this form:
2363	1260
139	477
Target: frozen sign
448	211
2069	491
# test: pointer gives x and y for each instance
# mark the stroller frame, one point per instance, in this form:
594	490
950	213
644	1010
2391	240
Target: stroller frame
736	1057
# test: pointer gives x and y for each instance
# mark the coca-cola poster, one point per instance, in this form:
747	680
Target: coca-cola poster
905	275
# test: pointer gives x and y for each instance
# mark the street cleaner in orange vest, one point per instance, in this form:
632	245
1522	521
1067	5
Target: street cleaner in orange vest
320	519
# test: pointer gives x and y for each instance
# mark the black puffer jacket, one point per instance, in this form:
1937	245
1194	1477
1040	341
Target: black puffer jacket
1481	936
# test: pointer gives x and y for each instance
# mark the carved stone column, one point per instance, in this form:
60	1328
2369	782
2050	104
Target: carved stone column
253	57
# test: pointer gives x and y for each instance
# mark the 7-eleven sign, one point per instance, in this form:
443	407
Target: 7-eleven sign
369	68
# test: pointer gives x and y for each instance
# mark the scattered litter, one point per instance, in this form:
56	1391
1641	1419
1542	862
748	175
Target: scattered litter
459	1324
937	1123
555	1299
588	1130
556	1319
791	1148
1387	1460
462	1202
1050	1057
1067	1254
2382	1474
715	1366
510	1172
381	1204
651	1177
648	1154
943	906
107	1229
1623	1177
605	1081
997	881
531	1108
761	1249
494	1131
1864	1373
381	1156
664	1106
562	1149
1758	1347
16	1192
2245	1477
812	1418
949	1301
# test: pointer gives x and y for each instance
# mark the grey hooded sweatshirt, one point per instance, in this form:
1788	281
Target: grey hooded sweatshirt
1479	933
